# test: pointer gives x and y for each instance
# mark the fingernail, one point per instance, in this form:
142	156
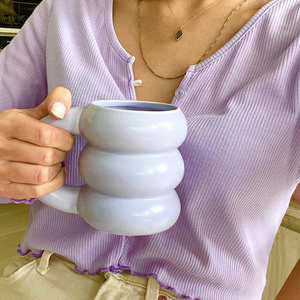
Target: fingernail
58	109
66	170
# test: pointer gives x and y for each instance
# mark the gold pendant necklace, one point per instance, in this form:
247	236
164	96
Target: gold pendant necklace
180	36
179	33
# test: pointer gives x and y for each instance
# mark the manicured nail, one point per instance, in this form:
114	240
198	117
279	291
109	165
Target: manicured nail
58	109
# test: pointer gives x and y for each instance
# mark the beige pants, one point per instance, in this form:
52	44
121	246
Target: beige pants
53	277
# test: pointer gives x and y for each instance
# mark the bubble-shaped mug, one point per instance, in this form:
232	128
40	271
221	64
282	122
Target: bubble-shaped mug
130	165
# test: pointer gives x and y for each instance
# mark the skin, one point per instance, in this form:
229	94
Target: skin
291	288
163	54
296	195
31	151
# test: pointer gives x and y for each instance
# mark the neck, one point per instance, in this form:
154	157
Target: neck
192	6
185	10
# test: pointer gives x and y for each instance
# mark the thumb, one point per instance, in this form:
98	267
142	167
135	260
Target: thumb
57	104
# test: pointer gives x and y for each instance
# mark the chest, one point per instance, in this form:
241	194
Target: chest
149	37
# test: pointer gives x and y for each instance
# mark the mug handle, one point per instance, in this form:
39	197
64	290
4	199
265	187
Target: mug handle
65	198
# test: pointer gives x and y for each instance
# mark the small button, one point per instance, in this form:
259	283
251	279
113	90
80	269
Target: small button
179	93
162	298
137	82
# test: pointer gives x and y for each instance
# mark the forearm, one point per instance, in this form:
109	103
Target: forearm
291	288
296	196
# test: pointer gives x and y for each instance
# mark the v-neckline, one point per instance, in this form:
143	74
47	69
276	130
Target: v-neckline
128	57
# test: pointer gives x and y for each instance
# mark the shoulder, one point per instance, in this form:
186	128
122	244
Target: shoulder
80	6
79	12
277	27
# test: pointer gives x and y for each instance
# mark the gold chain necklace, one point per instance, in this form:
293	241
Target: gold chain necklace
140	41
179	33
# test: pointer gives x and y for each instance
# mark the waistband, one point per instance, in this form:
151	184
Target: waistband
150	284
123	275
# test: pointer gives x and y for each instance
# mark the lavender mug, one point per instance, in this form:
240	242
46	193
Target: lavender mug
130	165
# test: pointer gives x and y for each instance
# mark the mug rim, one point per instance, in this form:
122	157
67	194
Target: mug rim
147	104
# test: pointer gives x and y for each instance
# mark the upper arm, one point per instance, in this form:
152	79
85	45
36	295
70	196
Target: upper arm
23	79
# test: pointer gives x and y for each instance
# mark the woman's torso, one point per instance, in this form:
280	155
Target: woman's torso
241	154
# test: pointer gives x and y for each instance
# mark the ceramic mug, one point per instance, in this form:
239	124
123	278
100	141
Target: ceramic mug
130	165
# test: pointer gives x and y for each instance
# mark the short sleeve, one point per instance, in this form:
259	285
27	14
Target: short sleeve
23	80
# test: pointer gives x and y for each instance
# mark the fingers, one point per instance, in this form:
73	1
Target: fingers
36	132
58	95
59	102
28	173
19	151
31	151
23	191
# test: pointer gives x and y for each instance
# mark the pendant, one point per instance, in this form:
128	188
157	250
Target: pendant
179	34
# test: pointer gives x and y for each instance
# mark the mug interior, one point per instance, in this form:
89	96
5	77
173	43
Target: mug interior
135	105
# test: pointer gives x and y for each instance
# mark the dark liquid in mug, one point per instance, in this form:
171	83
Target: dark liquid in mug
135	108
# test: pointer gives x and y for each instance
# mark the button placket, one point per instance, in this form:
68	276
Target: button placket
131	95
180	92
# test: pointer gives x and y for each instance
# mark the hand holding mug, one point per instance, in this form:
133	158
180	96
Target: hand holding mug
31	151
